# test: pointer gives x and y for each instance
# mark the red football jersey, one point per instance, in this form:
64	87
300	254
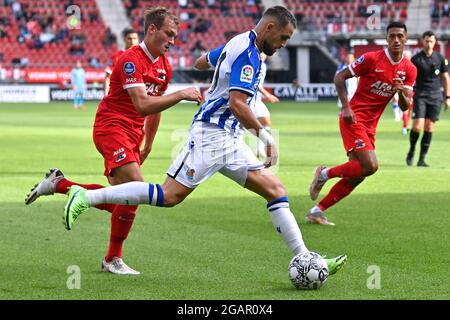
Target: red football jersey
377	72
113	61
135	67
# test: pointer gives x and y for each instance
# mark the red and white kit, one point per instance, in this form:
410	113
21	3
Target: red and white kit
377	73
118	127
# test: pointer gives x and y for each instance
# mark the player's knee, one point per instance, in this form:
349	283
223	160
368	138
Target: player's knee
370	168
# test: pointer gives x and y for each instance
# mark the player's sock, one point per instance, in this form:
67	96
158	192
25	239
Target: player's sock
425	144
64	185
350	169
413	137
284	222
405	120
121	221
130	193
339	191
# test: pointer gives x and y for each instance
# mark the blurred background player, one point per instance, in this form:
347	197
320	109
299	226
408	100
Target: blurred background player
400	115
406	116
382	74
138	81
256	104
130	39
432	67
78	82
351	83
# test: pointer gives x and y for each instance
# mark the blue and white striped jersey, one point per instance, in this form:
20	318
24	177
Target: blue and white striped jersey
237	67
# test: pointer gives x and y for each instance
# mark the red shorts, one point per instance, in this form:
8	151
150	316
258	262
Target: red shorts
356	136
117	148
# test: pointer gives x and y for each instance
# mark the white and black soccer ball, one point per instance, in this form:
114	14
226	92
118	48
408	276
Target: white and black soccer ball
308	271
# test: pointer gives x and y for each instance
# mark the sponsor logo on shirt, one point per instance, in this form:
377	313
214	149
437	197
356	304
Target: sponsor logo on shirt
152	88
382	89
247	74
130	80
129	68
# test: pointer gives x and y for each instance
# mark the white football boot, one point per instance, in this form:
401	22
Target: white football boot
46	187
117	266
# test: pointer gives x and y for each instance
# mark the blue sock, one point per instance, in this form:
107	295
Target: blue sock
155	195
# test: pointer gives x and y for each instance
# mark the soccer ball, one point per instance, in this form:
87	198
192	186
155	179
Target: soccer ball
308	271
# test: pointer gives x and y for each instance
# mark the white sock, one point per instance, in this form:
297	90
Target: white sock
284	222
324	174
315	209
130	193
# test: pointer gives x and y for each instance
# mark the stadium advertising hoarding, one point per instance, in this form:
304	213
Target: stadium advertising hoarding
61	75
284	91
304	92
66	94
24	93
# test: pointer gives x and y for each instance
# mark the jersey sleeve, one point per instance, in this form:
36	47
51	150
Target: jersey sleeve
410	77
444	65
130	72
244	73
214	55
362	65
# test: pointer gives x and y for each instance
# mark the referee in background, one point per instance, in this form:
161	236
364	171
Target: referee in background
432	67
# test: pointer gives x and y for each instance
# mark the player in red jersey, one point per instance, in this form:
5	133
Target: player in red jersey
138	80
382	74
130	39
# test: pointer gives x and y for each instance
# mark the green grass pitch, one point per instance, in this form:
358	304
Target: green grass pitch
220	242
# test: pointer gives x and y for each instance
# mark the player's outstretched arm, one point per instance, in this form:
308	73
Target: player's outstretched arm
339	81
242	112
404	97
146	105
202	63
268	95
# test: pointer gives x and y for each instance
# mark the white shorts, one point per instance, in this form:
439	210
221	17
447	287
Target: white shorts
209	149
259	109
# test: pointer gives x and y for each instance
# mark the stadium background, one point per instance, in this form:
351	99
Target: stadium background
40	40
222	250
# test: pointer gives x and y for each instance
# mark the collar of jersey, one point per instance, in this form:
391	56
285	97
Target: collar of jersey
390	58
149	55
254	40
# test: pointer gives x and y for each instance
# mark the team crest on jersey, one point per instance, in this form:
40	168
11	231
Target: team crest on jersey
359	144
129	68
247	74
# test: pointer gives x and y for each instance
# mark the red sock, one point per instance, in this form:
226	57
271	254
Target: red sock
405	119
339	191
64	185
351	169
121	222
